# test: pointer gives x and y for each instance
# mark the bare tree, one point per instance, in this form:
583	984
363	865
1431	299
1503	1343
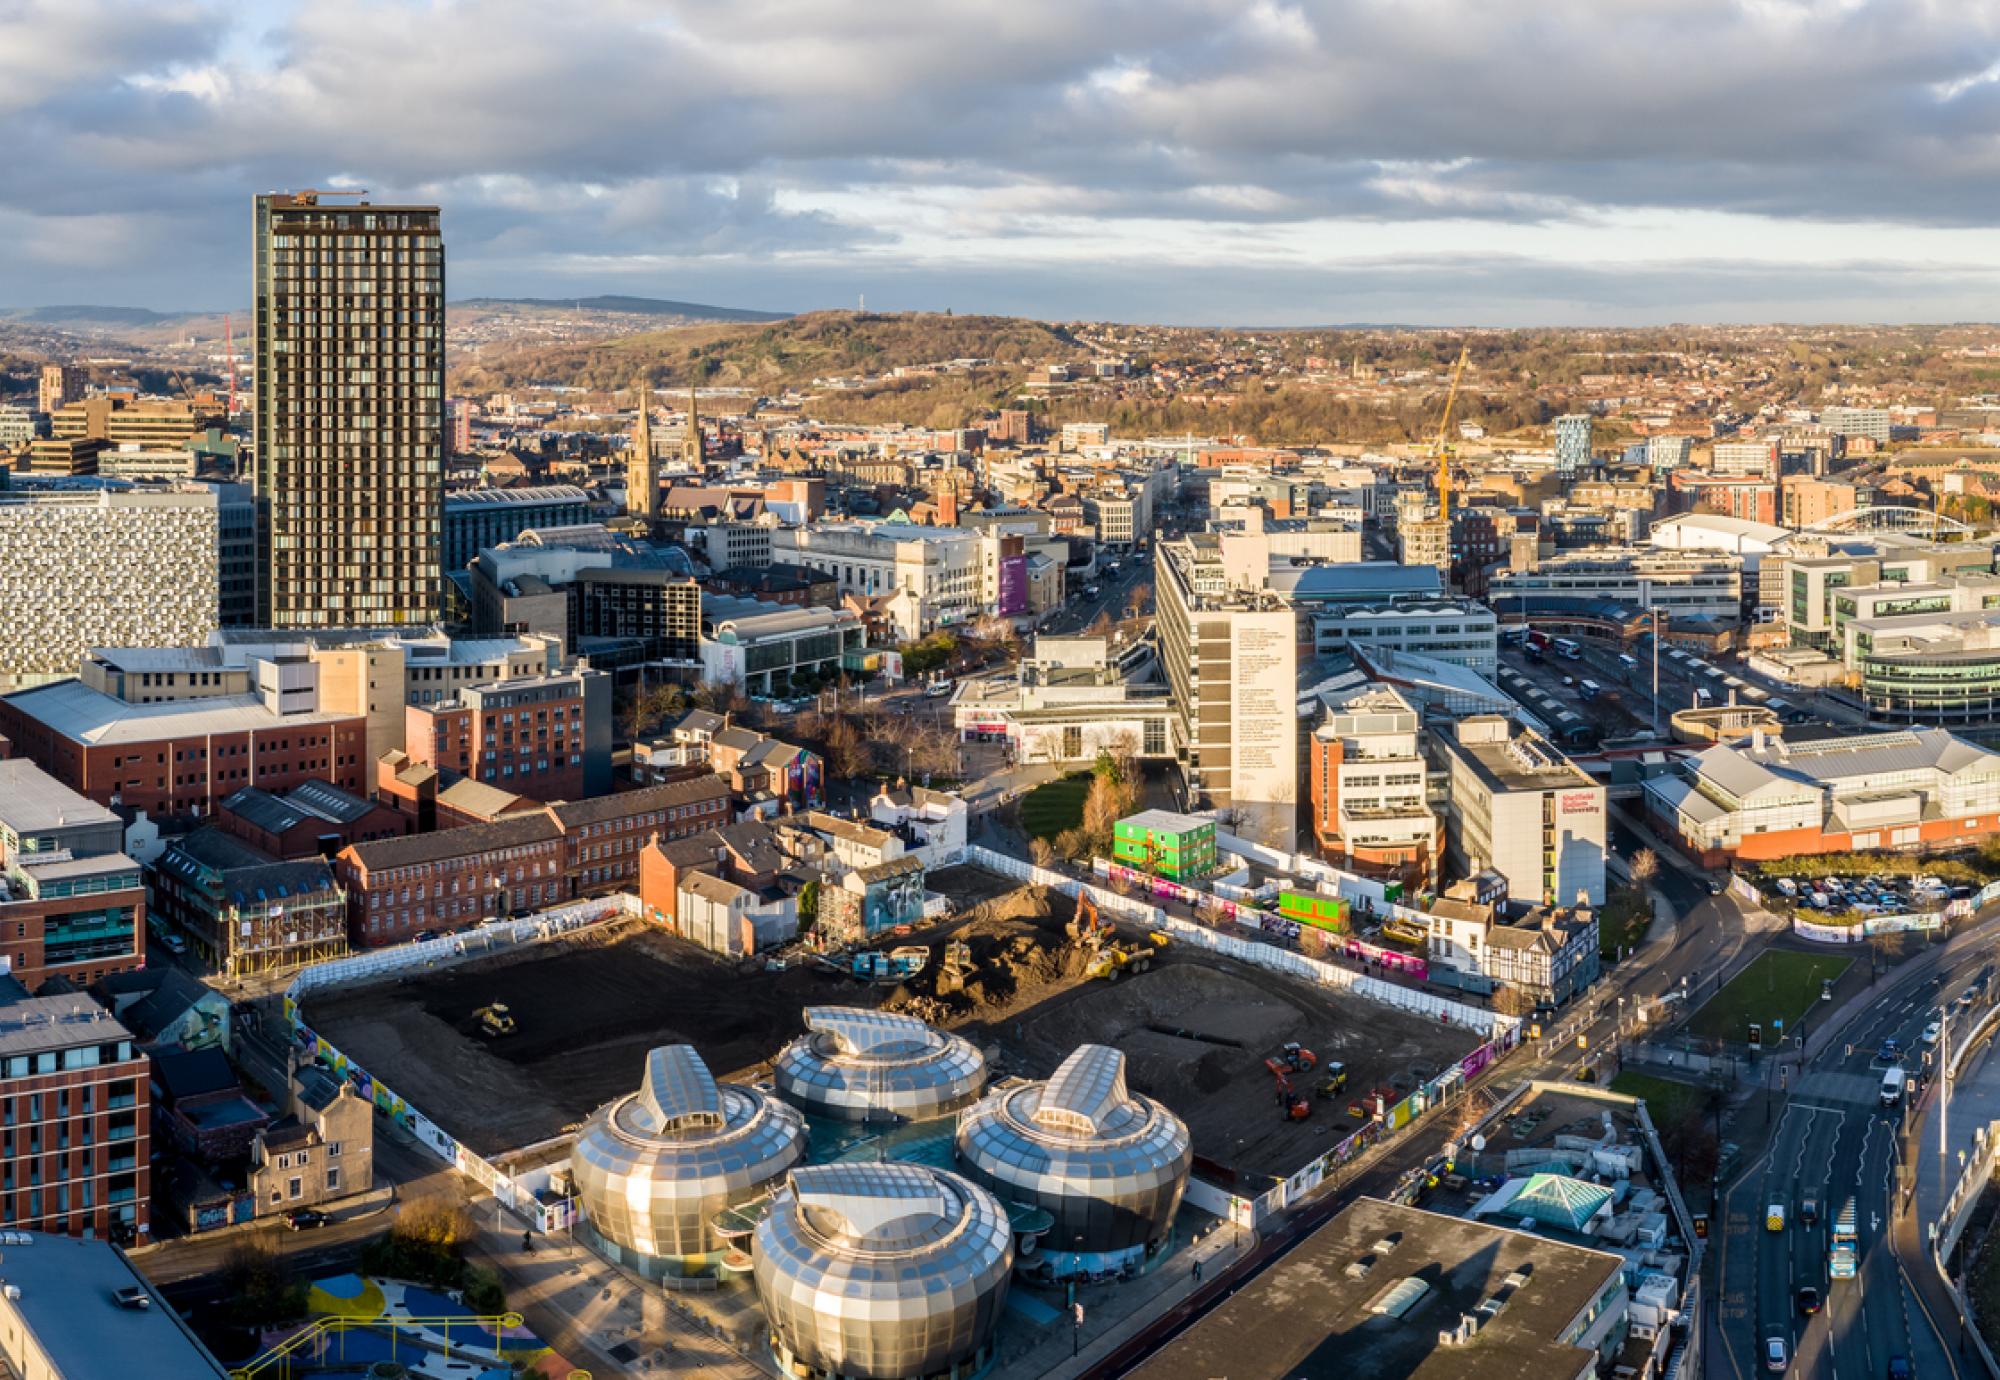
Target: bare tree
1041	852
847	750
1645	867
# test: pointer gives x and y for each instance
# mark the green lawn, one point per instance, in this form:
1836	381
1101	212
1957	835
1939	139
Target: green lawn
1049	809
1666	1101
1779	985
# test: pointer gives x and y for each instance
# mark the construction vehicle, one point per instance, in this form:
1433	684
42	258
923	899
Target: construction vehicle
1294	1107
1088	926
878	965
1404	932
1114	958
495	1020
957	968
1845	1252
1334	1082
1293	1058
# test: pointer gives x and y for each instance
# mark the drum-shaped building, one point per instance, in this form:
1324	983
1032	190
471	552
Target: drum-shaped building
859	1065
654	1168
882	1271
1108	1165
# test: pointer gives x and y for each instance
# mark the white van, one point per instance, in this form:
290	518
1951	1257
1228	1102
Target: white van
1892	1087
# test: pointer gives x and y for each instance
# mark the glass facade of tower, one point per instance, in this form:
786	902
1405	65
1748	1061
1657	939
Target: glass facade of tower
350	412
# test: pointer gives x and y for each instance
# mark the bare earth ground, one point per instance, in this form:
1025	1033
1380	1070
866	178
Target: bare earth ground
588	1008
1195	1030
1196	1033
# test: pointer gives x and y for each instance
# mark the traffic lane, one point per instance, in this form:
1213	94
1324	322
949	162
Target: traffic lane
1814	1175
1684	889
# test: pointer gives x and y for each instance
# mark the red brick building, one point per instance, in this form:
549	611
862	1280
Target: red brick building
455	878
1753	500
313	819
181	758
525	736
77	1111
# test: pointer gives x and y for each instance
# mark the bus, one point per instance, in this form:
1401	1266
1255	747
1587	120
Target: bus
1841	1259
1567	649
1629	662
1588	689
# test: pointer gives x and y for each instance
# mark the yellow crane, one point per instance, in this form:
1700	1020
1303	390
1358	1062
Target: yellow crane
1439	446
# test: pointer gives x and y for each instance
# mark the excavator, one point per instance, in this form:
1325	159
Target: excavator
1294	1107
494	1020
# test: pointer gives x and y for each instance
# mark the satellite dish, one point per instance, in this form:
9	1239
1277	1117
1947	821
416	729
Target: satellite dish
1478	1143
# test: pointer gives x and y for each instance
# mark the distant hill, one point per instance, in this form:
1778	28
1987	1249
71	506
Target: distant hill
636	306
794	350
96	316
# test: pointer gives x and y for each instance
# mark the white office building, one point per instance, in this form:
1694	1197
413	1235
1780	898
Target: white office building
1521	808
937	568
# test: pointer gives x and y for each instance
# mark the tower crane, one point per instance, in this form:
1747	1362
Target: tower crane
1439	447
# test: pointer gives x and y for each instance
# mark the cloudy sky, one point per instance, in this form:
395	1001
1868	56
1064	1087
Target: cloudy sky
1235	161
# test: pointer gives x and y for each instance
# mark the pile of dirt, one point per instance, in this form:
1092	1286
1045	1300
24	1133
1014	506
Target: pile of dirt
1015	948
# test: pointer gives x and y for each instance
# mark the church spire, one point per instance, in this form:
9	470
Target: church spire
642	470
692	453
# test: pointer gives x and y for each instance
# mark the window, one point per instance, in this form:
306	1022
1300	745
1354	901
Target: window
295	1187
333	1179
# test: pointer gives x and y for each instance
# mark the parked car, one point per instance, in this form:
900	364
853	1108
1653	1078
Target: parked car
305	1219
174	944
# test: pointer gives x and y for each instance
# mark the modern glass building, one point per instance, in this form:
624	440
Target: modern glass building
883	1272
654	1168
857	1065
350	412
1108	1165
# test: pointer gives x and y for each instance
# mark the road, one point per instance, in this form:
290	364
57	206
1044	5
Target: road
1113	597
1834	1140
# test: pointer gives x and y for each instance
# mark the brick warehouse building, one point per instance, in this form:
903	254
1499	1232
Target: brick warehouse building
180	758
74	1095
456	878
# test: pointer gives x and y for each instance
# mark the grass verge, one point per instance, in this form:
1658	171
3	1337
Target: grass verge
1779	985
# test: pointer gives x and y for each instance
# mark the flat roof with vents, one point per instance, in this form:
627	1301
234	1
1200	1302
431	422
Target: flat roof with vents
1312	1316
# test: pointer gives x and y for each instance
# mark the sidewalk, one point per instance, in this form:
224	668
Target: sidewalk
1141	1304
607	1321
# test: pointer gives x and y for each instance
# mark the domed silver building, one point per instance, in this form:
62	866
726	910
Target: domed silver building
883	1271
857	1065
653	1168
1108	1165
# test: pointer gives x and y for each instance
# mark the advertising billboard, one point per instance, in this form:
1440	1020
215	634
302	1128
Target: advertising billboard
1013	585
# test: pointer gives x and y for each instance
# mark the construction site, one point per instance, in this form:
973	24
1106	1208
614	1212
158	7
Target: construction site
1267	1071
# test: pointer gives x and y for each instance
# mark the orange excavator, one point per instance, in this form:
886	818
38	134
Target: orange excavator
1293	1058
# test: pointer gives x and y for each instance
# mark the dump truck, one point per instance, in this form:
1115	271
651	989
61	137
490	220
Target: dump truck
494	1020
1845	1252
1114	958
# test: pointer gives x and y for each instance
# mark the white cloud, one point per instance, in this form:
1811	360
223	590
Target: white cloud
1175	141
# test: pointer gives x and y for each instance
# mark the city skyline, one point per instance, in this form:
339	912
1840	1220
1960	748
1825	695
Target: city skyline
1268	165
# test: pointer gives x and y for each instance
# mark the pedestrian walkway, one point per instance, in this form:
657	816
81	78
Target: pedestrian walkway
613	1323
1114	1314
